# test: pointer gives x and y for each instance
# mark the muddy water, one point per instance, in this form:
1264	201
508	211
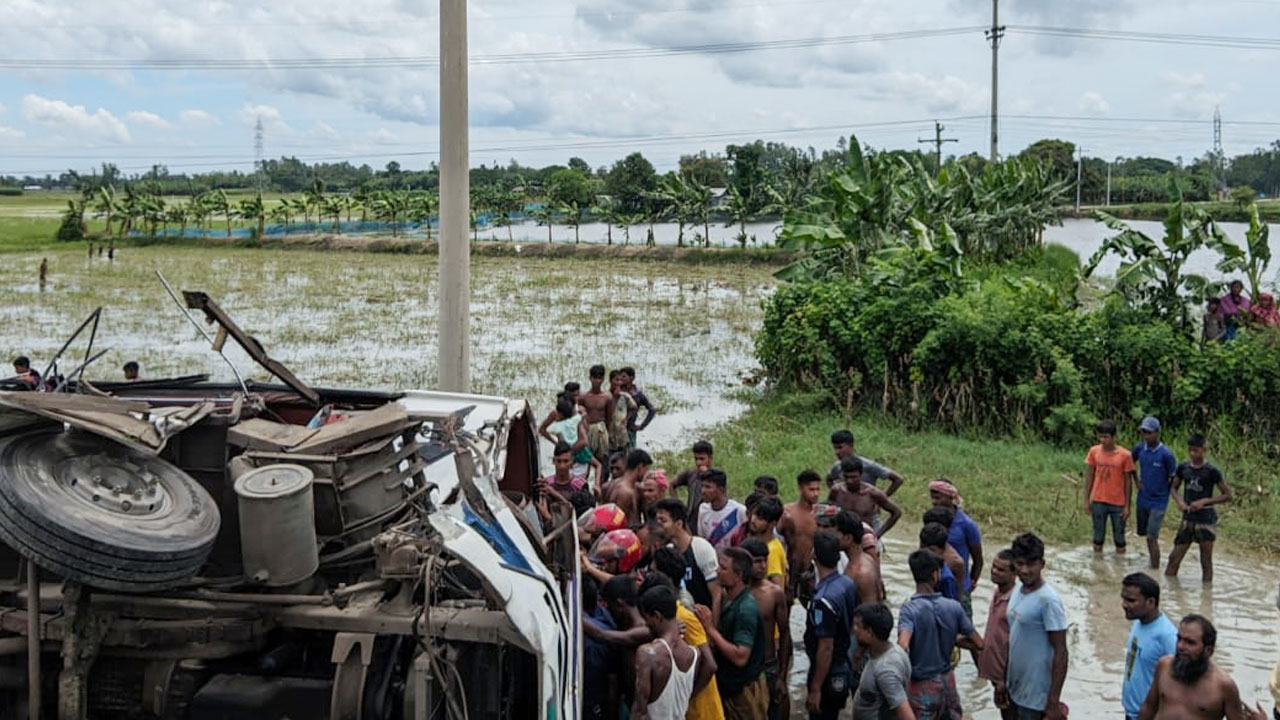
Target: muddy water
1241	603
370	320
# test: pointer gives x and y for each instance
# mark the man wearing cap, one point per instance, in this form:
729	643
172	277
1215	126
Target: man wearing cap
962	535
1156	467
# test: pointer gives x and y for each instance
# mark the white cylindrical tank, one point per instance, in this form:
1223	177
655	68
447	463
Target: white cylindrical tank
277	524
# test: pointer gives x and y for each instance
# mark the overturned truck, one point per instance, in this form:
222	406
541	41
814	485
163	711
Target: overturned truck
189	549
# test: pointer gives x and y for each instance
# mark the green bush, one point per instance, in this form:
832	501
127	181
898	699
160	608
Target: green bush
10	191
1013	355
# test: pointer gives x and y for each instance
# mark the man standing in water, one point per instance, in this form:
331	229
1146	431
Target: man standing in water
1156	466
1037	637
842	446
599	404
624	406
862	498
882	692
799	523
738	639
827	637
930	627
1199	519
963	536
1189	684
1151	637
993	661
1108	485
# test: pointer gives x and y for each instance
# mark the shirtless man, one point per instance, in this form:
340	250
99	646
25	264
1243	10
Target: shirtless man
668	671
625	491
863	499
799	523
863	569
772	601
599	404
1189	685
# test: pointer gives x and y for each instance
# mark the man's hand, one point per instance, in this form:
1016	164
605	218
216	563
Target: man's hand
704	615
1087	507
1124	514
1053	711
814	701
780	684
1197	505
1253	713
1001	697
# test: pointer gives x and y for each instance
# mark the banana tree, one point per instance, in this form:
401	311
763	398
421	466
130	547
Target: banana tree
253	210
219	204
544	215
392	206
737	208
1151	271
332	206
105	205
610	212
573	214
180	214
1256	255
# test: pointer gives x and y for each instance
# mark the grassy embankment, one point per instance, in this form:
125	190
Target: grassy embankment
1222	211
1010	486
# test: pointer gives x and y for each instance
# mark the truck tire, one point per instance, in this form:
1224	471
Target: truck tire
101	513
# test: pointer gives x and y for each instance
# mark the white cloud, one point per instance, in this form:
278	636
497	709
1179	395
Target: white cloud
270	116
1092	103
61	116
197	118
1191	96
145	119
323	131
8	133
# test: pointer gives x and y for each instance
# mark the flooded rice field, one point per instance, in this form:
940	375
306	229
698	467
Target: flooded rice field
356	319
1241	602
369	320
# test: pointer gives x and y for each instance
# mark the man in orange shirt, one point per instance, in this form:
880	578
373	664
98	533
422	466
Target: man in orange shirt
1108	485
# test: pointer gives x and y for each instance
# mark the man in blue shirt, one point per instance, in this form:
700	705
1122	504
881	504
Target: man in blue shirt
1156	466
1038	658
1152	637
930	626
827	632
933	537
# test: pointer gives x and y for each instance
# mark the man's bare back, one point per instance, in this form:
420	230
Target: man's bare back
866	576
622	492
768	597
1213	697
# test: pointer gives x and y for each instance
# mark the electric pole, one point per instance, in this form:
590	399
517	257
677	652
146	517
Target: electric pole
1079	176
455	202
258	162
937	141
994	35
1108	184
1218	156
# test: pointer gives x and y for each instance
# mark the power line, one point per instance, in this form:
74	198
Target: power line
1223	41
426	61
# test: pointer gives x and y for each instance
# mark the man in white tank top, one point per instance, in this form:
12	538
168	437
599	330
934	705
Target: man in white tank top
668	671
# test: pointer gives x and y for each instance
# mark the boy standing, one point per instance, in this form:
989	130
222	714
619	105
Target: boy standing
1038	659
1199	519
1156	465
1108	485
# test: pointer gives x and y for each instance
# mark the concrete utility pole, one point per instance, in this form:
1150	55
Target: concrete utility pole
938	140
994	34
455	202
1079	176
1108	184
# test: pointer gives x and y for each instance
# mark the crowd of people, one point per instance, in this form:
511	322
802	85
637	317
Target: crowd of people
688	592
1224	317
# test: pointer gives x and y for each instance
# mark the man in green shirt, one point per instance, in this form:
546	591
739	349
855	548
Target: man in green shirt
738	640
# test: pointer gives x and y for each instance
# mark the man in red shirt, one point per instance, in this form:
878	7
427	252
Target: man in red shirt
994	658
1108	485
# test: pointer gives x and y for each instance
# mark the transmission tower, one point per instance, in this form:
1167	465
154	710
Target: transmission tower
994	35
937	141
1219	157
259	168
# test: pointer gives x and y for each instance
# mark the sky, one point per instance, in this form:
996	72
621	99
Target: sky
598	79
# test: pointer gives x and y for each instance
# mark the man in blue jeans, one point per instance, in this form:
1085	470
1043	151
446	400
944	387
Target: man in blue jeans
1156	466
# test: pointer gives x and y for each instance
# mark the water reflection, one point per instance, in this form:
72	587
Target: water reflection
1240	602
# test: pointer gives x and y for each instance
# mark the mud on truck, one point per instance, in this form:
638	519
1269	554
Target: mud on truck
193	549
